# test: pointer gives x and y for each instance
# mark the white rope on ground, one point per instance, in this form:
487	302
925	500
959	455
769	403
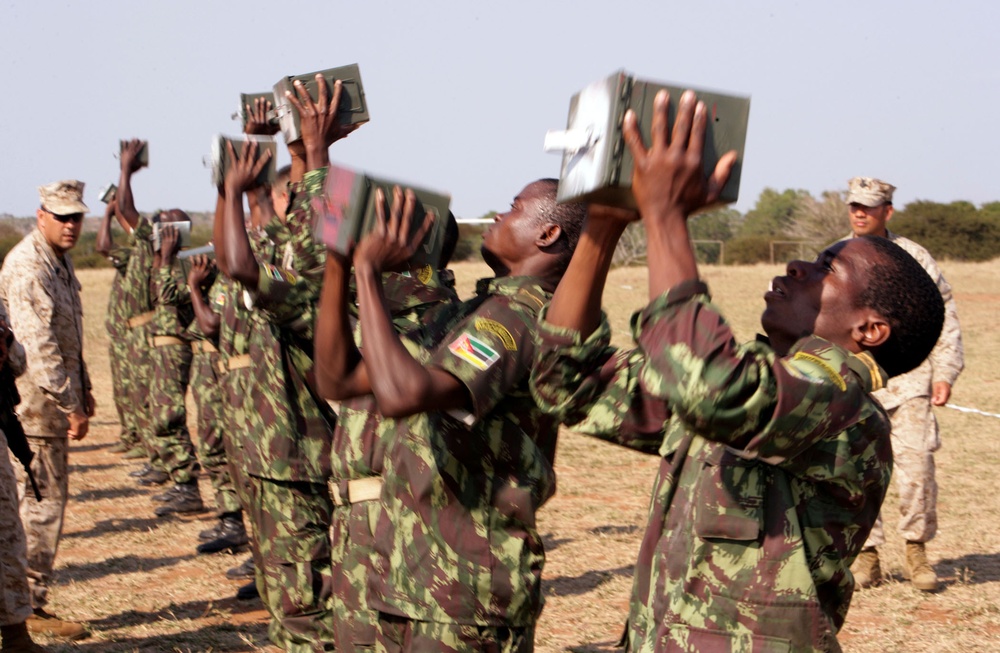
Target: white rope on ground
971	410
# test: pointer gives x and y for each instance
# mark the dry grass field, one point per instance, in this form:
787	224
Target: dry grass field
138	583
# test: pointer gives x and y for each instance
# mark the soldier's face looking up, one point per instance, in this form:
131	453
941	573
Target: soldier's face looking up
513	235
820	297
60	231
869	220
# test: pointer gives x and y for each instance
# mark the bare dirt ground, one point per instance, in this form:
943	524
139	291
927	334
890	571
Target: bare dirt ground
137	582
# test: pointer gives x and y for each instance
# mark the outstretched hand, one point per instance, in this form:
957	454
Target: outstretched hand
245	168
318	118
257	119
668	177
130	155
201	269
391	243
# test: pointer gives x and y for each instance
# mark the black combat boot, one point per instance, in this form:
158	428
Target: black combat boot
232	535
244	570
187	499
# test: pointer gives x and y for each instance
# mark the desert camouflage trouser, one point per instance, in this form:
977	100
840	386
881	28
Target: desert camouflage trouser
15	598
118	357
171	368
401	635
351	545
43	520
915	438
211	449
291	521
140	372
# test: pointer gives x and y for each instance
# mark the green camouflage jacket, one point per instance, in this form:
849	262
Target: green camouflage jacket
456	540
287	431
773	472
137	280
115	318
174	312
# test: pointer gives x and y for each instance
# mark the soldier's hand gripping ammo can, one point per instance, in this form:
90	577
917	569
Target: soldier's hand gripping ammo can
143	157
183	228
108	193
221	162
346	211
250	99
352	110
597	164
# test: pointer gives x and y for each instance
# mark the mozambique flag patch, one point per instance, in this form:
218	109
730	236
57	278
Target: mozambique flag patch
220	298
474	351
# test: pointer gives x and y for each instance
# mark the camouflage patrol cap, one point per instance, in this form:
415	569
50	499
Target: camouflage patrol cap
63	197
869	191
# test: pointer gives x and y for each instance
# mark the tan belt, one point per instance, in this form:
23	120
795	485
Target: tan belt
203	347
234	363
141	320
355	491
166	341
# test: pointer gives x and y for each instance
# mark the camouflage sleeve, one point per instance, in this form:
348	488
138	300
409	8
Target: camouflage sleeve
490	352
286	298
171	285
743	396
119	257
31	302
594	389
305	253
948	356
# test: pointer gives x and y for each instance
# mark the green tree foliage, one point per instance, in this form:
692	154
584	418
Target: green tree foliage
773	214
746	250
820	221
956	231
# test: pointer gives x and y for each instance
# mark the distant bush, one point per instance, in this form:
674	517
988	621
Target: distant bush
470	237
748	250
967	235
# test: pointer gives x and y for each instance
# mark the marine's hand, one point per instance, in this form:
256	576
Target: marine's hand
390	244
668	179
940	393
244	169
257	120
79	423
130	155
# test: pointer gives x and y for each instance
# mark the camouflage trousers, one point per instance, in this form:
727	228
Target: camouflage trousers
211	448
15	598
290	522
118	357
401	635
139	371
915	438
351	544
43	520
171	368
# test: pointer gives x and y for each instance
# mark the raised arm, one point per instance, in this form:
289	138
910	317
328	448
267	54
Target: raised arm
235	256
208	320
130	164
104	239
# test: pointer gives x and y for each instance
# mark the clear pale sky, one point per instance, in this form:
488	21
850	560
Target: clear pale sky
461	93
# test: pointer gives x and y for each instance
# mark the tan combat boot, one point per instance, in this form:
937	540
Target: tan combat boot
866	569
45	623
922	576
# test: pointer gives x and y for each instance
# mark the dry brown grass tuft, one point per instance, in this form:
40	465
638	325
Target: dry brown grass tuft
137	581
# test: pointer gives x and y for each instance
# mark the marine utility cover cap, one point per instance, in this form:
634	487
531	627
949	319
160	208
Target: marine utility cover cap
869	191
63	197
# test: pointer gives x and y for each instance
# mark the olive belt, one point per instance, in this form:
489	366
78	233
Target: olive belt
166	341
234	363
358	490
203	347
141	319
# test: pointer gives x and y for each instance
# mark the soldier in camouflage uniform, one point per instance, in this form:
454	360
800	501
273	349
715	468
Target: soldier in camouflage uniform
171	365
117	328
284	450
468	456
42	296
230	532
15	597
138	313
908	398
775	457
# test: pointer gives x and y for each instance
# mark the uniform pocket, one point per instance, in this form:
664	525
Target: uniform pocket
730	496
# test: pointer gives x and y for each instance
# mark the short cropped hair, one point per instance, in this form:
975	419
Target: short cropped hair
568	216
282	177
902	292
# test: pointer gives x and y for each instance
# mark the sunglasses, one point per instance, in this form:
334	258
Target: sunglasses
75	218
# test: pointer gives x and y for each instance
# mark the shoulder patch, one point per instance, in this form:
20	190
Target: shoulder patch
220	298
826	367
527	295
474	351
425	274
497	329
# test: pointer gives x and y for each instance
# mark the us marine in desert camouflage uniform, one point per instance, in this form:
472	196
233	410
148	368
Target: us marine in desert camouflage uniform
15	597
775	457
908	398
42	296
468	456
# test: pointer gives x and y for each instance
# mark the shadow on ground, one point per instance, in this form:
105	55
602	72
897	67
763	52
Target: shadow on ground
970	569
108	526
110	493
585	582
119	565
